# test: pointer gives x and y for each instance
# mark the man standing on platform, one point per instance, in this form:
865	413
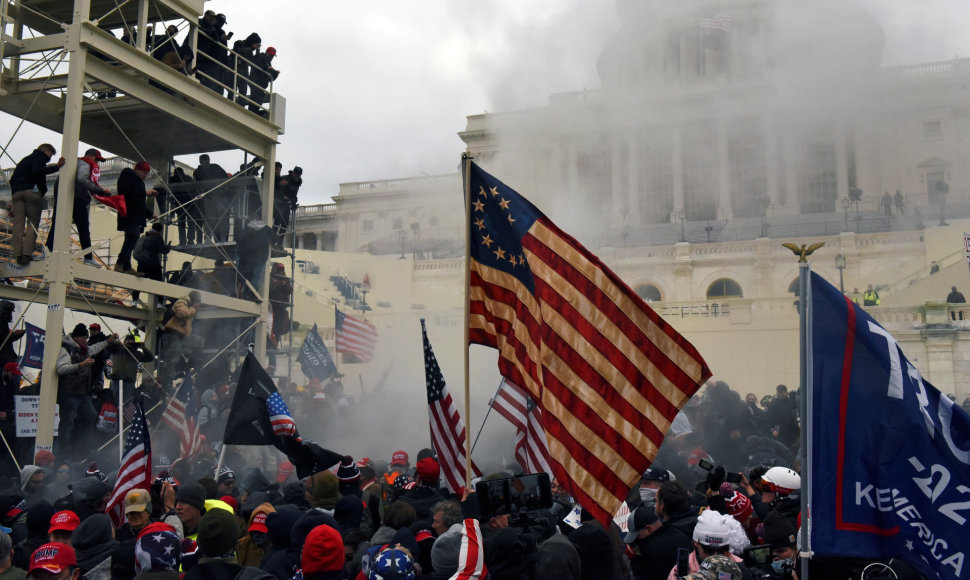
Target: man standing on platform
215	204
85	184
74	391
131	184
29	185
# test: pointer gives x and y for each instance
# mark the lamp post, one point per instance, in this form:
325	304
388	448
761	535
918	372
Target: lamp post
683	217
840	264
845	208
404	236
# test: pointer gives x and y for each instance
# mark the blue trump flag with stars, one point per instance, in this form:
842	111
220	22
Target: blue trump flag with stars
890	470
315	359
33	356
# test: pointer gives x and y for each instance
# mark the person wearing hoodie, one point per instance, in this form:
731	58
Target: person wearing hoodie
94	543
33	484
218	532
148	251
29	185
278	526
321	489
425	494
73	391
322	557
125	359
252	546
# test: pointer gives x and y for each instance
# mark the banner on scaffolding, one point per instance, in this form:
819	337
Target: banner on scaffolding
33	356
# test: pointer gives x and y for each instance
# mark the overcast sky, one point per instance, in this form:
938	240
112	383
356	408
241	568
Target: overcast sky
380	89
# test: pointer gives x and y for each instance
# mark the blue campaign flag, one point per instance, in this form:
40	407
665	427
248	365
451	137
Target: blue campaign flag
314	357
890	470
33	356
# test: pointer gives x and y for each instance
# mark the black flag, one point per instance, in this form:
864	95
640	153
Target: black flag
260	417
314	357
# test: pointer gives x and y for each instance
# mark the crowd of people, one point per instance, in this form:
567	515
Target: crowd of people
722	500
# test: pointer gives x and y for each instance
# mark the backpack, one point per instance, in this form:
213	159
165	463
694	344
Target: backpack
140	252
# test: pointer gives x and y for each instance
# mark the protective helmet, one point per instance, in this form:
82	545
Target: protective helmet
655	473
781	480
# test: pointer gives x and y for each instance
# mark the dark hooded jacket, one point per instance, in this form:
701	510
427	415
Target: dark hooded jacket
94	545
284	563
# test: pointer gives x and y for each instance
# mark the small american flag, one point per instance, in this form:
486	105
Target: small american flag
447	427
279	416
355	337
136	466
531	450
180	415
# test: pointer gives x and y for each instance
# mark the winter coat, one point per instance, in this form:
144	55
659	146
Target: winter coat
422	498
182	314
658	552
248	553
86	181
253	243
13	573
153	247
31	172
73	378
284	563
123	366
224	569
133	188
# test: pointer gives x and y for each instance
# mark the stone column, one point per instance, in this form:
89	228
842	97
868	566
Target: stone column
772	161
678	171
619	162
723	172
841	161
633	180
319	241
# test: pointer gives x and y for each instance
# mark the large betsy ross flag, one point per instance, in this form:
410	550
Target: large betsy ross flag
354	337
180	415
447	428
136	466
531	450
890	469
607	372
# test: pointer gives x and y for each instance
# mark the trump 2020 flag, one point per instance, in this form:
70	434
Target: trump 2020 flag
315	359
890	471
33	346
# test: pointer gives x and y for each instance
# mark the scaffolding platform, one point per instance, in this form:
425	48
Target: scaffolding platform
66	69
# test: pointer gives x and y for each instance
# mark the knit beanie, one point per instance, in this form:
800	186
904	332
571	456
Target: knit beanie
218	534
738	505
444	552
279	524
79	330
348	471
192	494
324	490
157	548
323	551
428	470
778	531
392	564
89	489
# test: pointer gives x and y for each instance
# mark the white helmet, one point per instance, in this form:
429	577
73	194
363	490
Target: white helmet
781	480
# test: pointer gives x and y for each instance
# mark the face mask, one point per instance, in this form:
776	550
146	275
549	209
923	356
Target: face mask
647	494
783	566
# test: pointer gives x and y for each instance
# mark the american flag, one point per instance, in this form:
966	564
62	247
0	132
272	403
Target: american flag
279	416
181	414
355	337
608	373
531	451
720	22
136	466
471	556
447	428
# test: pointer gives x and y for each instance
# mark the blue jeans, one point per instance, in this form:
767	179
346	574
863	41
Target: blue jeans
77	423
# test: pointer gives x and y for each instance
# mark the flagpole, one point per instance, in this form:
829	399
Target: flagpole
804	298
466	169
222	456
487	413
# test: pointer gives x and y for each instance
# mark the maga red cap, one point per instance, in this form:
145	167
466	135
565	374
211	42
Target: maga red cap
13	368
65	521
53	557
271	51
259	523
143	166
399	458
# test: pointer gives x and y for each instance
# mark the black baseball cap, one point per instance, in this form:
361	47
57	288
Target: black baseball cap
640	518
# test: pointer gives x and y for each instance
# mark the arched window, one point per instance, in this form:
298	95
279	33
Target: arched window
649	293
724	288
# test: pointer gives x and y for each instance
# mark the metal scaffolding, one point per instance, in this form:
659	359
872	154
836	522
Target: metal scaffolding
118	97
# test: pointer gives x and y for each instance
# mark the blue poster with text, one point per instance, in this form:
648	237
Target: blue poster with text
890	472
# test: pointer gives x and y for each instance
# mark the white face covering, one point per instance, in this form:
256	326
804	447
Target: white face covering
648	494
